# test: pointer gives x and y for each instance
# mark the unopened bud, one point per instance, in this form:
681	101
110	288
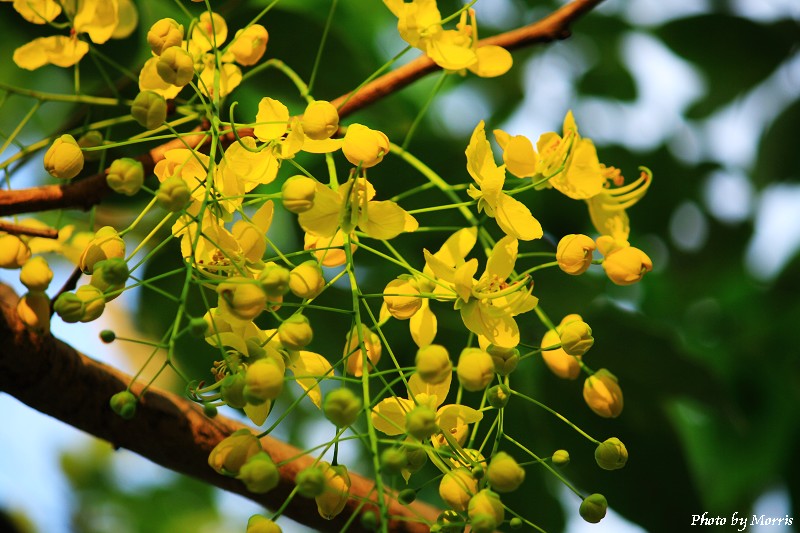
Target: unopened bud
298	193
421	422
337	489
94	302
402	298
232	390
574	254
576	336
593	508
69	307
486	503
475	369
407	496
33	310
13	252
342	407
175	66
261	524
320	120
457	488
505	474
560	458
275	280
124	404
108	336
611	454
249	44
505	359
498	396
232	452
433	364
310	482
364	146
149	109
416	457
106	244
557	360
125	176
369	521
91	139
242	297
602	394
295	332
164	34
259	473
306	280
263	381
627	265
36	274
393	461
173	194
64	158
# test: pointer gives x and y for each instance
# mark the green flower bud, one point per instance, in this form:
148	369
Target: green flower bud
337	489
232	452
593	508
198	326
69	307
242	297
295	332
475	369
342	407
306	280
421	422
393	461
64	158
263	381
259	474
13	252
104	271
486	503
163	34
498	396
483	523
209	410
149	109
91	139
108	336
611	454
94	303
274	280
298	193
407	496
124	404
175	66
36	274
505	359
560	458
433	364
457	488
320	120
33	310
107	244
369	520
125	176
515	523
262	524
173	194
232	390
576	336
416	457
505	474
310	482
478	472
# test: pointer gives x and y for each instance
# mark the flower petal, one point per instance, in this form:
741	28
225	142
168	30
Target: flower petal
516	220
423	325
310	364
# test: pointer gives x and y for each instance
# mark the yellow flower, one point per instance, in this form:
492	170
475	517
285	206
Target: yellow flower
57	50
602	394
210	32
37	11
607	208
490	60
329	251
475	369
557	360
457	487
513	217
623	264
249	44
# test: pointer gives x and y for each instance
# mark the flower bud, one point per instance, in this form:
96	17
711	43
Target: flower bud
263	381
574	254
94	303
498	396
364	146
33	310
320	120
124	404
475	369
259	474
352	350
516	523
593	508
558	361
407	496
36	274
306	280
149	109
487	503
91	139
274	280
163	34
611	454
175	66
107	244
482	523
295	332
576	336
560	458
415	455
242	297
402	298
173	194
505	474
298	193
505	359
125	176
457	488
602	394
69	307
249	44
369	521
13	252
342	407
114	271
421	422
261	524
433	364
232	452
627	265
337	489
393	461
64	158
232	390
108	336
310	482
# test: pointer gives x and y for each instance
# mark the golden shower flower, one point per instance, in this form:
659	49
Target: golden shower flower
602	394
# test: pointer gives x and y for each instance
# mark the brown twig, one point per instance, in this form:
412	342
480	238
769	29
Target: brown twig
85	193
16	229
52	377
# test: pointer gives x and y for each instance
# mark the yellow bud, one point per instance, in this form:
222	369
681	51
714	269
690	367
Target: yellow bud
173	194
295	332
175	66
352	350
106	244
342	407
298	193
337	489
263	381
574	254
504	473
320	120
433	364
505	359
593	508
627	265
93	302
34	311
421	422
233	451
576	335
36	274
242	297
602	394
125	176
611	454
475	369
306	280
64	158
560	458
163	34
13	252
262	524
558	361
486	503
402	298
259	473
457	488
364	146
149	109
249	44
274	280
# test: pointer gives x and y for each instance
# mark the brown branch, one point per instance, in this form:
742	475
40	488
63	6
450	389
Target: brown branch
85	193
16	229
52	377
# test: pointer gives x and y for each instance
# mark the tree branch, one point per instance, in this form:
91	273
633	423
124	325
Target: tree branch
85	193
52	377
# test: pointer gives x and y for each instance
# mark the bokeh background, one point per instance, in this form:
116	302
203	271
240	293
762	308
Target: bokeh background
706	93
